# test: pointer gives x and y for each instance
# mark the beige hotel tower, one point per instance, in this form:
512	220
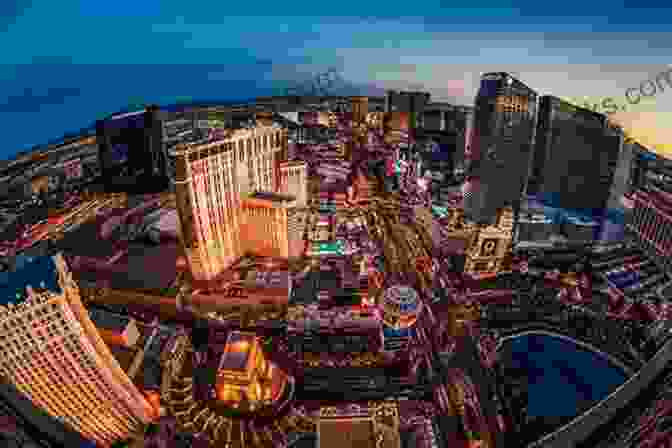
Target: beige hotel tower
212	179
53	354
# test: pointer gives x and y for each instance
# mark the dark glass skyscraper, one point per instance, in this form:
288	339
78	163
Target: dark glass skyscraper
445	125
131	151
576	154
499	154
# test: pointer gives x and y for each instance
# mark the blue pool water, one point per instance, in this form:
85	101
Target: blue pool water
564	379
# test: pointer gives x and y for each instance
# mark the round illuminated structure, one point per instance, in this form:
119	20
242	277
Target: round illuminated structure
238	385
401	307
246	380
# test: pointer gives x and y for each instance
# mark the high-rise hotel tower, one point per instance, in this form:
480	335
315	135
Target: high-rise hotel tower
500	150
210	180
652	212
52	353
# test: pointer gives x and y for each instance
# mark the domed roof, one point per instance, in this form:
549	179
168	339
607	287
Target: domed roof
401	306
403	296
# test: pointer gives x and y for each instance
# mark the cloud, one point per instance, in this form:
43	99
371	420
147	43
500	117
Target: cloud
31	100
11	10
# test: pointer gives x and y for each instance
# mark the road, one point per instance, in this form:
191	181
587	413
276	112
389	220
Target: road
467	358
357	384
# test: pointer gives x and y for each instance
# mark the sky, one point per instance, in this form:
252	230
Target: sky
67	63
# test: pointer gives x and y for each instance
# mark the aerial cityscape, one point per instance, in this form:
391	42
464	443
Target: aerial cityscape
347	271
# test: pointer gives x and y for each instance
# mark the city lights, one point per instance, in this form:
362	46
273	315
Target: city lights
329	276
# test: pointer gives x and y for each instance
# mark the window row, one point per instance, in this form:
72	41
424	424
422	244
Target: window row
248	147
24	319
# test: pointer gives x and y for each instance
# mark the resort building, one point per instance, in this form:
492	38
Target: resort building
245	377
294	181
263	228
210	179
652	223
53	354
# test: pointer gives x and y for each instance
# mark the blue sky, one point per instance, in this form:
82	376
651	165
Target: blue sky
69	62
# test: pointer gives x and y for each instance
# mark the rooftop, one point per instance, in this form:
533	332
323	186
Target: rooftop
129	271
266	278
84	241
274	197
237	351
108	321
344	432
292	163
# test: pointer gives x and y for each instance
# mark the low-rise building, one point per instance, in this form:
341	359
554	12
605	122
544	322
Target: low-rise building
115	329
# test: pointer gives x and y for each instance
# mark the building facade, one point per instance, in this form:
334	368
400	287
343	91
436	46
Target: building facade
297	222
53	354
177	127
40	185
500	146
131	147
484	247
412	102
488	249
264	224
294	181
360	108
29	427
401	307
622	175
209	181
648	167
66	164
446	125
245	379
575	151
533	226
652	223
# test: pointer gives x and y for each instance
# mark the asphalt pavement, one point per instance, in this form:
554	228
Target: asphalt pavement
466	358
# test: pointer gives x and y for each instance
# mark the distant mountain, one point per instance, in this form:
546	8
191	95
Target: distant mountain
248	89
